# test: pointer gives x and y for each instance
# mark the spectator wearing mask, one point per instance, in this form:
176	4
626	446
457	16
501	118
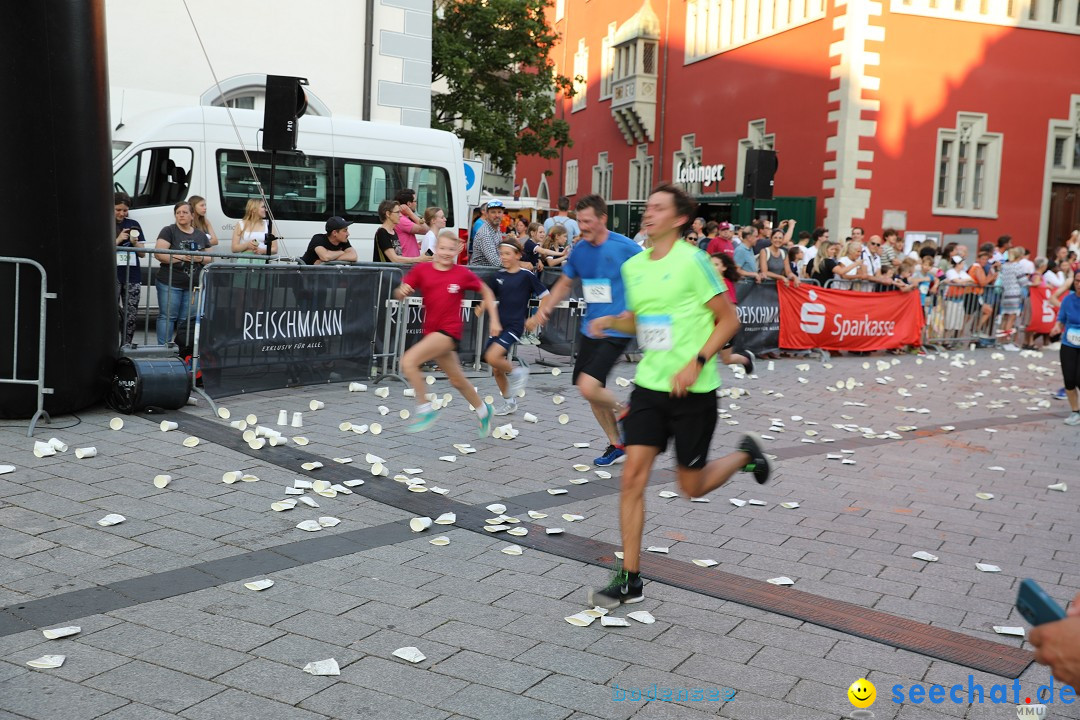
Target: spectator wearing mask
486	243
720	240
387	245
128	271
562	217
331	246
410	227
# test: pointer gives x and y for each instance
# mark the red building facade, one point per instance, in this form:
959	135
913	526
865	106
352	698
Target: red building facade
927	115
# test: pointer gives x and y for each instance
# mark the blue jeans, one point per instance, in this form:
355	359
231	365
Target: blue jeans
174	305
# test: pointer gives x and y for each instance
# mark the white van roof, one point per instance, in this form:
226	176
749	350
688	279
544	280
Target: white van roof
156	122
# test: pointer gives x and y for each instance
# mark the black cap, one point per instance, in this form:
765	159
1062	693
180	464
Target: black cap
336	223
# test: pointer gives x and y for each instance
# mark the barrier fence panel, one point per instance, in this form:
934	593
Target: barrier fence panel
269	327
19	371
959	315
758	308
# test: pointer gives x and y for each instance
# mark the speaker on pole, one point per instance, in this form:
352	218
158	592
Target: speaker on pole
286	101
761	168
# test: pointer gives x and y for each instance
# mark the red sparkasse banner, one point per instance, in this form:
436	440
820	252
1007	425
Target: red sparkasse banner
814	317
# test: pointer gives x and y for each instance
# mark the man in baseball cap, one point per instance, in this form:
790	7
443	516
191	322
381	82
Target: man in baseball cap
331	246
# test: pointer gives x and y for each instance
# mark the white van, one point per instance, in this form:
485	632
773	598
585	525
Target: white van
342	167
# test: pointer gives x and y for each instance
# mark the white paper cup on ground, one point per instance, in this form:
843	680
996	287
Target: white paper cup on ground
251	419
43	449
410	654
116	424
259	584
563	419
47	662
190	442
297	419
58	445
111	519
161	481
357	387
420	524
86	452
57	633
240	425
529	417
323	667
375	428
409	392
232	476
167	425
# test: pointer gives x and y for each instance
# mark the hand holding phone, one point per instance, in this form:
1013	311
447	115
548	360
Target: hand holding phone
1036	606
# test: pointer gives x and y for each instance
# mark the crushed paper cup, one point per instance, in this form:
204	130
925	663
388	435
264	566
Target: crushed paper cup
303	484
283	505
161	481
704	563
609	621
782	580
259	584
1003	630
323	667
512	550
309	466
642	616
352	483
537	515
757	502
383	392
622	382
1060	487
657	549
597	611
447	518
309	526
496	528
47	662
581	468
497	508
984	495
5	469
571	517
190	441
249	478
327	521
666	494
580	619
579	481
116	424
923	555
602	474
57	633
987	567
308	501
737	502
111	519
518	531
557	491
554	531
563	419
789	505
419	524
43	449
409	654
440	541
581	444
357	387
167	425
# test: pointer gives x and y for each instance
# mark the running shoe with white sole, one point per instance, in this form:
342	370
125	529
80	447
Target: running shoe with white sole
759	464
508	407
519	378
620	591
612	456
1073	419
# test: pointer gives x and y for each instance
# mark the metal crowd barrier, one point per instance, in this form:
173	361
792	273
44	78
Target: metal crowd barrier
958	315
38	381
860	285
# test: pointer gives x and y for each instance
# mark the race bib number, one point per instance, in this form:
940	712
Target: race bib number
654	332
597	291
1072	335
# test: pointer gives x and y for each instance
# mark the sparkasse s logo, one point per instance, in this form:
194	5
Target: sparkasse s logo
812	316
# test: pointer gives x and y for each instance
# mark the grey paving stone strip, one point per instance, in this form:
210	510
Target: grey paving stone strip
58	608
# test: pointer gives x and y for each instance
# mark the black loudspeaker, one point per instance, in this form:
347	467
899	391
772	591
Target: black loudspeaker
760	169
144	382
286	101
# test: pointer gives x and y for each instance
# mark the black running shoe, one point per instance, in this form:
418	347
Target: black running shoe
620	591
759	464
750	357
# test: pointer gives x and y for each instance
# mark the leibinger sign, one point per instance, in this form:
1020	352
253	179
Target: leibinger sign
686	173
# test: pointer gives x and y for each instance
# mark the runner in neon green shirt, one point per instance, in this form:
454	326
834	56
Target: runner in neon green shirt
676	306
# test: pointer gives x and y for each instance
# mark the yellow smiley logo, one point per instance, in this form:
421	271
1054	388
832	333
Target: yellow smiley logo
862	693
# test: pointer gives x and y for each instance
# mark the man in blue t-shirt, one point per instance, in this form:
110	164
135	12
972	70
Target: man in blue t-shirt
597	261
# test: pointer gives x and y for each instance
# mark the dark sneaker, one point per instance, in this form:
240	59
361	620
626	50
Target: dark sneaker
750	357
611	456
759	464
620	591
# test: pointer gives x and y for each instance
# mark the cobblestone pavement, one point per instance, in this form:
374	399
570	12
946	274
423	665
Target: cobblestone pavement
169	630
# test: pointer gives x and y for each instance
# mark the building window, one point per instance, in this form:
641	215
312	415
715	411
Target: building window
601	176
581	76
641	170
607	62
570	182
1037	14
1059	152
715	26
968	168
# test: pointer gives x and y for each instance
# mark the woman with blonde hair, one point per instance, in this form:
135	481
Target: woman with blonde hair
250	234
435	219
849	266
201	222
556	245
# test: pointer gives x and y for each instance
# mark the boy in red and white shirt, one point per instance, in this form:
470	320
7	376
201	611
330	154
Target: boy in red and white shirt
443	284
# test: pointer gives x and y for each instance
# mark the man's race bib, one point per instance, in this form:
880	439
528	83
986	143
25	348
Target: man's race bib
597	291
1072	335
654	332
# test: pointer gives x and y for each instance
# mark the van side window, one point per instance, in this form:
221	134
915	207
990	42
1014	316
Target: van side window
156	176
365	184
302	184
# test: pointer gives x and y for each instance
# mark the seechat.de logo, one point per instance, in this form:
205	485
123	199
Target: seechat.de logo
812	316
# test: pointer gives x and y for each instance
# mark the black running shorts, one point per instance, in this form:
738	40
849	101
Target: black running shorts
655	417
596	357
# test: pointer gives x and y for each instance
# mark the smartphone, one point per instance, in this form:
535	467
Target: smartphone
1035	605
